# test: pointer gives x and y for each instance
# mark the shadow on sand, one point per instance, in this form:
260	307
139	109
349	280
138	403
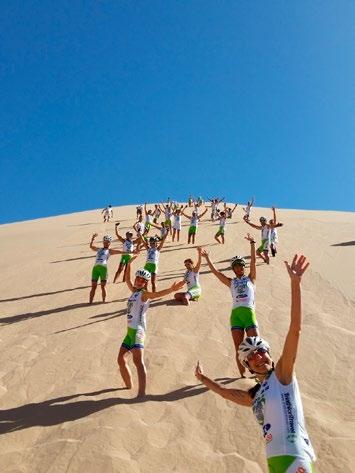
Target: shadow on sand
58	410
345	243
43	294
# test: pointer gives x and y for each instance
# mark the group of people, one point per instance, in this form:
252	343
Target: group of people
274	397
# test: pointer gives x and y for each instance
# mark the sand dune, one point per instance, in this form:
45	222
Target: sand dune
63	408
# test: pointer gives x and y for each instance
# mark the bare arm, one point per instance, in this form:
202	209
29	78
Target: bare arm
274	215
199	259
258	227
238	396
162	242
203	213
285	366
164	292
252	274
94	248
187	216
224	279
117	234
128	274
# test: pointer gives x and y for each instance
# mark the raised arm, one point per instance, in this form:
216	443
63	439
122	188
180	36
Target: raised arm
160	246
224	279
238	396
187	216
164	292
203	213
285	366
199	259
252	274
235	206
128	273
274	214
258	227
117	234
94	248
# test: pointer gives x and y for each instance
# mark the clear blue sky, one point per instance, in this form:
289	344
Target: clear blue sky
118	102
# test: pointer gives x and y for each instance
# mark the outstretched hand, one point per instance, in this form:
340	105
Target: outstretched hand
94	235
204	253
198	371
177	285
297	268
250	238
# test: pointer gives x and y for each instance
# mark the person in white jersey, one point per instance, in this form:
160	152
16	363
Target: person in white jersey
192	279
99	271
247	208
156	213
242	287
153	253
194	221
108	213
148	218
139	226
139	210
133	342
274	239
229	211
177	223
168	211
276	400
128	247
263	250
222	223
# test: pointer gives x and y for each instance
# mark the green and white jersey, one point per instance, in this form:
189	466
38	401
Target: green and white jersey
153	255
140	227
192	279
128	246
102	256
273	235
177	222
194	221
265	233
148	219
222	222
243	292
278	409
167	213
136	310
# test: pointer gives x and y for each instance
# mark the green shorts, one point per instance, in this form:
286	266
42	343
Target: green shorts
290	464
151	267
125	259
243	318
264	246
195	293
220	231
99	271
147	226
134	339
192	230
168	222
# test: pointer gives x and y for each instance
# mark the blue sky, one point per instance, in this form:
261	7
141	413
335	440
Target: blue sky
125	101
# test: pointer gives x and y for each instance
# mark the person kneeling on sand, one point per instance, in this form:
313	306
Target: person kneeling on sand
133	342
275	399
191	278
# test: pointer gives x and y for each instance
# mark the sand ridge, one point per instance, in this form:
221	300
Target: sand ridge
63	408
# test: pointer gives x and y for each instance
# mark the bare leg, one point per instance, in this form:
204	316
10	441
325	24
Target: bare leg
141	370
124	273
154	288
124	369
92	292
103	290
183	297
118	272
222	236
189	238
178	235
266	257
238	336
260	255
216	237
193	238
174	233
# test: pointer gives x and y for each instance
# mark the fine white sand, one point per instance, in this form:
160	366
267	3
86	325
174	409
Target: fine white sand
63	408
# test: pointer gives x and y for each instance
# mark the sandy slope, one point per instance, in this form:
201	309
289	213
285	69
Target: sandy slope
62	404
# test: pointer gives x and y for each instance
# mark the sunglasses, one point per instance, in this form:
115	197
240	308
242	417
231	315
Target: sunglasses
260	351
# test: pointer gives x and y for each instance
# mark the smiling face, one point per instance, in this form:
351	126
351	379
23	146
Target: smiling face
239	270
140	283
188	264
260	361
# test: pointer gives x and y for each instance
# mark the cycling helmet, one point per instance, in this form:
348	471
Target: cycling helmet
248	346
238	260
143	273
107	238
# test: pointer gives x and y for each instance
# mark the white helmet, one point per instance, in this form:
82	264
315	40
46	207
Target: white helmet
238	260
107	238
143	273
248	346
